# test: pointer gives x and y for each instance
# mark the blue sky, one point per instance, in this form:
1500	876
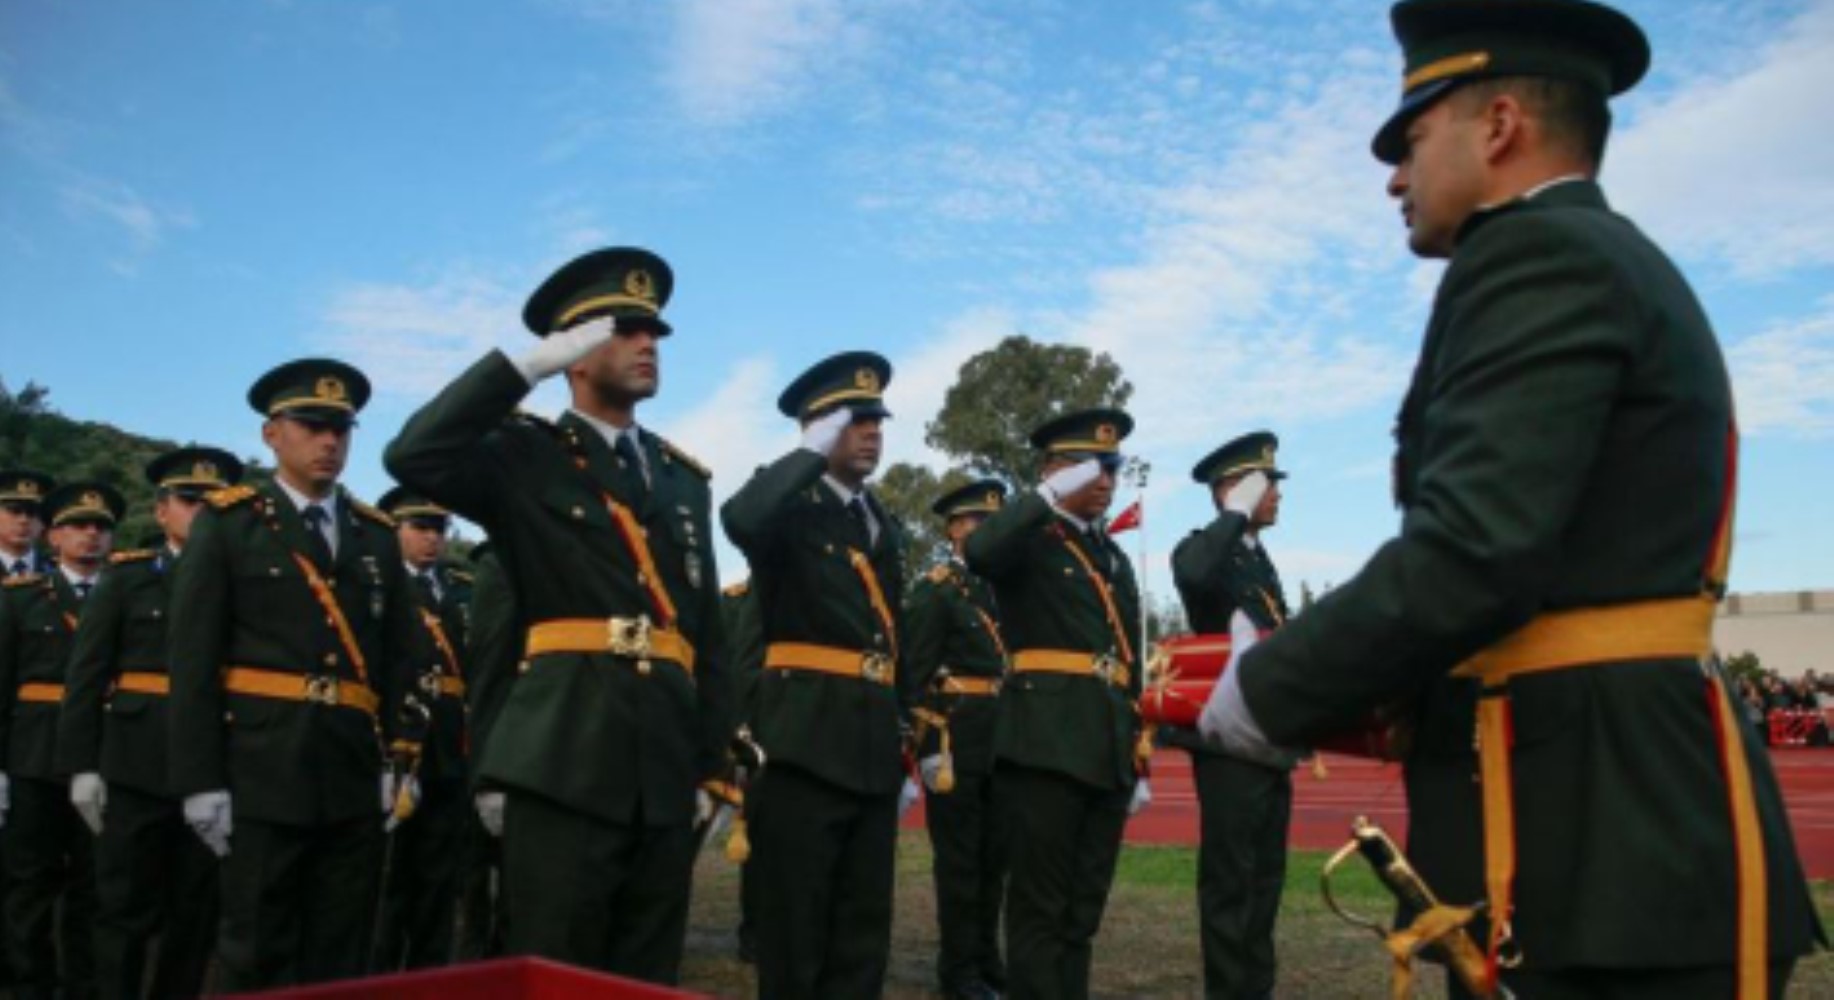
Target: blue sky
191	192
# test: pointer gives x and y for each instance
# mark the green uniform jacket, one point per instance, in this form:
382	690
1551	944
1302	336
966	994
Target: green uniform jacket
797	535
1083	727
493	648
239	599
952	625
37	623
120	734
443	752
1216	573
587	730
744	645
1566	443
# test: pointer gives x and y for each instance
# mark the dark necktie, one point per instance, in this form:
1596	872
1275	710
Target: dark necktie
857	508
82	591
317	545
428	586
626	449
20	568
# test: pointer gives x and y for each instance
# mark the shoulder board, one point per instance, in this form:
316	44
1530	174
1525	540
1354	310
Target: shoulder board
372	513
670	451
739	589
459	576
229	496
24	580
133	556
531	419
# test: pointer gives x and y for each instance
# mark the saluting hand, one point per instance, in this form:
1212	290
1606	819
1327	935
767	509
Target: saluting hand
1066	481
820	434
1246	495
560	349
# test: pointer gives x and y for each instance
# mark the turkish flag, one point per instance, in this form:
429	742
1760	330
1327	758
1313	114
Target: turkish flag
1126	520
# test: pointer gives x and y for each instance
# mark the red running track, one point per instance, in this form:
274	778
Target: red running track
1352	786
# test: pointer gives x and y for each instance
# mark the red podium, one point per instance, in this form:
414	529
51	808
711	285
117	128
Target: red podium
504	979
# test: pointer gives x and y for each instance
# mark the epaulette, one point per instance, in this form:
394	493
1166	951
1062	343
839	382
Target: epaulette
229	496
372	513
459	575
739	589
522	416
133	556
24	580
670	451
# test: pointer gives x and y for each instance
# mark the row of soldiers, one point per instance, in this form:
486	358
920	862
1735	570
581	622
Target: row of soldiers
1566	466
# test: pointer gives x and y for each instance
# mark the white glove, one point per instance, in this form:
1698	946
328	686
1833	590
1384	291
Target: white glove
1066	481
392	795
1143	797
1246	495
907	797
822	432
208	814
703	806
490	811
1226	718
560	349
89	794
6	798
930	767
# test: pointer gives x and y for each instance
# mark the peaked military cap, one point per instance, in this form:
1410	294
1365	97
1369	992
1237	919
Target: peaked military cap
320	390
24	487
983	496
1252	452
853	378
1095	432
1449	42
629	283
84	501
403	504
194	470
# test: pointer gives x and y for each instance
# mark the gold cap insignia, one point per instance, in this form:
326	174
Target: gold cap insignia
639	284
1106	433
27	488
867	379
330	388
993	498
1267	454
91	500
205	470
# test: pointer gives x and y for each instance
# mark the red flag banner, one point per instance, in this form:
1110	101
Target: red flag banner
1126	520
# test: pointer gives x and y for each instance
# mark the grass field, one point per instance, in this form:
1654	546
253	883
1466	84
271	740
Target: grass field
1148	945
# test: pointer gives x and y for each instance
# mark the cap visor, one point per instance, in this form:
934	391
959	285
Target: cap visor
1390	142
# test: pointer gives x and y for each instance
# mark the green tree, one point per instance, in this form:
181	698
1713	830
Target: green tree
907	491
1744	666
1001	394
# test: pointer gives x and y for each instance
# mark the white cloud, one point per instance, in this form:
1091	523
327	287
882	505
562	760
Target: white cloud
1783	378
1736	166
144	223
412	339
735	59
737	428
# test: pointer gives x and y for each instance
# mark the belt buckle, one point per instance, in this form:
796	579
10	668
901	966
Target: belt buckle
876	667
322	689
628	636
1107	667
429	684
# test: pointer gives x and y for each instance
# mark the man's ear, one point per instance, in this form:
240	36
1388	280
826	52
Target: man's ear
1504	124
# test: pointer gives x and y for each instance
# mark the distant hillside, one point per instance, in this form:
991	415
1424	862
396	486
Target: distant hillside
33	435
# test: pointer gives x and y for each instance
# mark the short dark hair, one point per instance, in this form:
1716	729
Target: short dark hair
1573	115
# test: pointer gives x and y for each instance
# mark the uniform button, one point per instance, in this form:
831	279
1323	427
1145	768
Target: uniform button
642	580
578	513
329	622
331	659
273	571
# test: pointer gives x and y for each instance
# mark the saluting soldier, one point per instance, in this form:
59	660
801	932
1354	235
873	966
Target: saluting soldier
957	659
22	498
154	880
290	629
50	867
1066	753
420	896
593	756
1566	468
1228	581
825	563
